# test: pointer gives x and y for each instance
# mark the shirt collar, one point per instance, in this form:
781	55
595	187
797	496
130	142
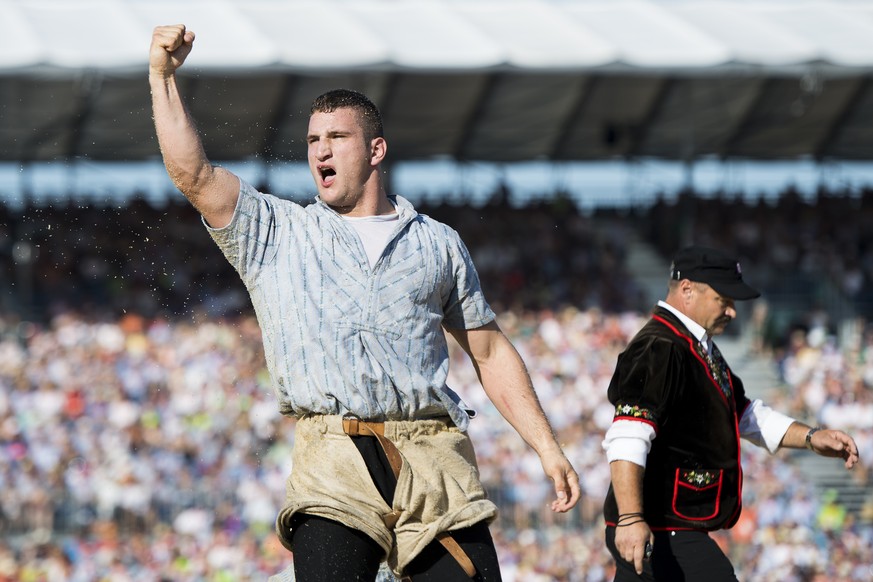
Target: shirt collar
695	328
405	210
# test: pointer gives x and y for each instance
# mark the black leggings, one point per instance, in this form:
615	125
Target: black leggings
327	551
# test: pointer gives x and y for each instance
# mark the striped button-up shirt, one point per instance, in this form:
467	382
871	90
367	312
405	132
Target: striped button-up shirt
340	336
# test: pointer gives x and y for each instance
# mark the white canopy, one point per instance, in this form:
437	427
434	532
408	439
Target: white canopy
432	34
473	79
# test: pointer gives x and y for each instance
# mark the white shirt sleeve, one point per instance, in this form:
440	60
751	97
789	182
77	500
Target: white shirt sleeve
628	440
764	426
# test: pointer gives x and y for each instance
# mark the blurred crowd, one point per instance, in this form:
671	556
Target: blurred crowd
150	449
156	258
140	438
147	259
798	247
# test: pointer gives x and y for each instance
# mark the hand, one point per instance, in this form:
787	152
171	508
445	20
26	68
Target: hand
564	477
631	540
835	443
170	47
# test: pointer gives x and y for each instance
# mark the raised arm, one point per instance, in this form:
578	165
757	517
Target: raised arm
212	190
507	383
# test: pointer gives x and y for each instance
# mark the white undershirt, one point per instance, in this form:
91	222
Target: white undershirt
374	232
630	440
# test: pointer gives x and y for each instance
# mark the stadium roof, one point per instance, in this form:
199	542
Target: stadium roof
499	80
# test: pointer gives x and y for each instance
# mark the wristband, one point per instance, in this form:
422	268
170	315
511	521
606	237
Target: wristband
811	432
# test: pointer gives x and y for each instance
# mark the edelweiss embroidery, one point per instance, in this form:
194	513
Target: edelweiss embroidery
635	411
699	478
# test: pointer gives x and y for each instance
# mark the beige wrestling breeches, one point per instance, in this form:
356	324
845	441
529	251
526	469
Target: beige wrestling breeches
438	488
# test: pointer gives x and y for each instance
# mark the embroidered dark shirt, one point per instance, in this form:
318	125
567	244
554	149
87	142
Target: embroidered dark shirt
693	478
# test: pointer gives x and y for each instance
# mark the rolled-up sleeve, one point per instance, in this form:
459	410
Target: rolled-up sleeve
627	440
763	426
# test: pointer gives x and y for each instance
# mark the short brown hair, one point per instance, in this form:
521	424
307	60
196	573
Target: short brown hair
368	113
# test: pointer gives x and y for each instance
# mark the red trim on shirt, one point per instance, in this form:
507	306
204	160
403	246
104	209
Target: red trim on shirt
637	419
677	483
699	359
736	416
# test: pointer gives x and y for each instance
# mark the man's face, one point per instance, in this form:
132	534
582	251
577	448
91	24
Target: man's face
339	158
709	309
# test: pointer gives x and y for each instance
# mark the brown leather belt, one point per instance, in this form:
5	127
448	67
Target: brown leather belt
354	426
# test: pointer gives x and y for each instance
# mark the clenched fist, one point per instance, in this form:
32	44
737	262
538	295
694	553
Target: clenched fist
170	47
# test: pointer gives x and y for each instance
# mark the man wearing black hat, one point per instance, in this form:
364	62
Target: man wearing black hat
674	444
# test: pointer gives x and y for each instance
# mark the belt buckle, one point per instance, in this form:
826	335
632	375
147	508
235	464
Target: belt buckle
351	424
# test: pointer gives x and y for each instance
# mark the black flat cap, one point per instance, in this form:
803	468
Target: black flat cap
713	267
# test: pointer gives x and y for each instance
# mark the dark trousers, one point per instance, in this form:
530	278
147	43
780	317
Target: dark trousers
679	556
328	551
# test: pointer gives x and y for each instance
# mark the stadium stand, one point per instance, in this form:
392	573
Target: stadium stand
140	438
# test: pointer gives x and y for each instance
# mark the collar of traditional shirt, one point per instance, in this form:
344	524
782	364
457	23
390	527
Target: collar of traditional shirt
695	328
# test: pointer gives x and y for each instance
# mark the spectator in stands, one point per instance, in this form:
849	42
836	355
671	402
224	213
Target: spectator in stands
673	446
337	287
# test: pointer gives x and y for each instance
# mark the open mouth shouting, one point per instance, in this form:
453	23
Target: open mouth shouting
327	175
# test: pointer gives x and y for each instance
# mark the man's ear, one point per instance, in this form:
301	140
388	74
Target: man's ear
378	150
687	288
